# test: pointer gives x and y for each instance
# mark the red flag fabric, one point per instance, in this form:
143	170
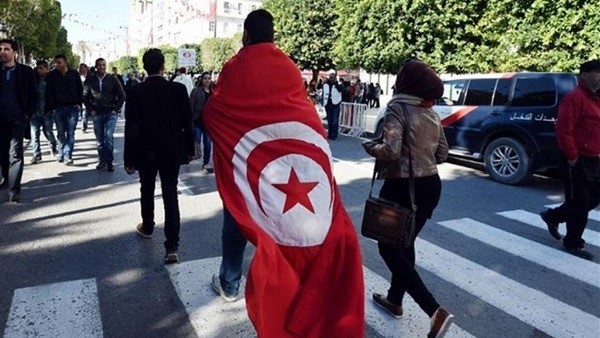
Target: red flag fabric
274	173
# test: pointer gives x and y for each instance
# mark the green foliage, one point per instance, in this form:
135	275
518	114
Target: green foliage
63	46
126	64
306	31
34	24
216	51
170	54
483	36
198	68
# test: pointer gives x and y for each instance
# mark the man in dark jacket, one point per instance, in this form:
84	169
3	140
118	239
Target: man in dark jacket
159	137
41	121
578	136
17	100
103	97
64	92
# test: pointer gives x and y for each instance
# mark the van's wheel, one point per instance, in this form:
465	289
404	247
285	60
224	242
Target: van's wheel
507	161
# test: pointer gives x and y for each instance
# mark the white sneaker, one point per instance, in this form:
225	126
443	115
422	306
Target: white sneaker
216	284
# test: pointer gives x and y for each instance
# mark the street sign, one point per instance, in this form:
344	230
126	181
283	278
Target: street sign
186	57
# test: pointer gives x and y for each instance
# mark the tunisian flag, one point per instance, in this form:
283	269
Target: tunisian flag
275	175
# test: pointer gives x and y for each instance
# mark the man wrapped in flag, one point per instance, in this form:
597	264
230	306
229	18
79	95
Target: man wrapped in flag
275	175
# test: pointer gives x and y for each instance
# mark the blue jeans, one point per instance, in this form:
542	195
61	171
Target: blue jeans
41	123
104	128
200	134
333	120
84	119
66	122
234	245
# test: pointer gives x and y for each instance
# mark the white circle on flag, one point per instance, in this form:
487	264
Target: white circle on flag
297	226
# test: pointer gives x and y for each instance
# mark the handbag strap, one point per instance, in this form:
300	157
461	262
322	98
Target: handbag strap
411	179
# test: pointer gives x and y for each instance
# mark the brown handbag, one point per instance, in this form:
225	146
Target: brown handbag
385	221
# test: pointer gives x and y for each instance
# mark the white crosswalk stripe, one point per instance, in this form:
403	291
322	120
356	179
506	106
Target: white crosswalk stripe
526	217
210	315
72	308
593	215
413	323
543	255
67	309
527	304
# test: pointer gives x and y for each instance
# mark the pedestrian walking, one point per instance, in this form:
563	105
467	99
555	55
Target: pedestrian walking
17	103
332	98
233	245
417	89
578	137
104	97
376	95
274	174
184	79
41	121
198	99
64	95
159	137
83	73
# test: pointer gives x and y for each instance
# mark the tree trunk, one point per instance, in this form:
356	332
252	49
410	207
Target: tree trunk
315	75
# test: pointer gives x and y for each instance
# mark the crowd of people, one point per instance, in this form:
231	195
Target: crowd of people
307	252
352	91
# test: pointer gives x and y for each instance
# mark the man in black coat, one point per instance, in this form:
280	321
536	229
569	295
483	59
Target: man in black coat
103	97
17	103
159	137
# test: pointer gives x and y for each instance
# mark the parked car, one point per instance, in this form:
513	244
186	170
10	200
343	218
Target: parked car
504	120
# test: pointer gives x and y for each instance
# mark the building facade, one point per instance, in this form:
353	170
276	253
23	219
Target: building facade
176	22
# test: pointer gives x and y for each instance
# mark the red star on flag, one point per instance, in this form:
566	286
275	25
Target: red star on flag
296	192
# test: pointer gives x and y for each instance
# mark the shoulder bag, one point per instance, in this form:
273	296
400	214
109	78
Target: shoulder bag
385	221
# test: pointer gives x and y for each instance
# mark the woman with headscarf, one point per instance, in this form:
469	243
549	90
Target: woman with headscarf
417	87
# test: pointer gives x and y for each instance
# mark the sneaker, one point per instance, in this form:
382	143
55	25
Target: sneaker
552	226
101	165
140	230
53	151
384	303
171	257
59	158
440	322
216	284
69	161
110	167
579	252
207	168
35	159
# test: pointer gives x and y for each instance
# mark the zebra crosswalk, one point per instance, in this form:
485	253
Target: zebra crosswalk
71	308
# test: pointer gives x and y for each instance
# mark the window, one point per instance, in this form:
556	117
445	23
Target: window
453	92
211	26
226	8
480	92
225	26
502	92
534	92
253	7
240	8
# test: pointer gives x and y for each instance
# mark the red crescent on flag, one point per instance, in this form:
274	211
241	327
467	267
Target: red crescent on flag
264	156
267	152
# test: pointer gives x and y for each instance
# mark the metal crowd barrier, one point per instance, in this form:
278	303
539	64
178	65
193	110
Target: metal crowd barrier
353	119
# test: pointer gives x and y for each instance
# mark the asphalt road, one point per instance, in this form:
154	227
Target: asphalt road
71	264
